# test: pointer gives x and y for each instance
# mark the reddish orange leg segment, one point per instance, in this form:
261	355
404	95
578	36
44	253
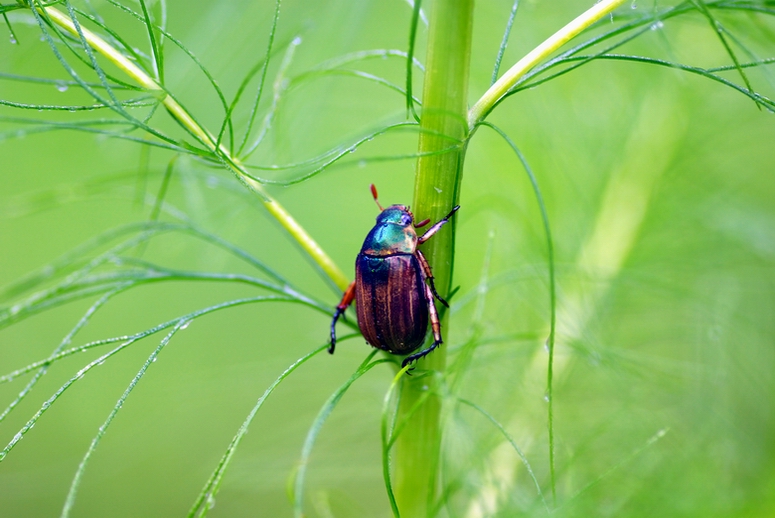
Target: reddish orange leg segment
435	326
436	226
347	299
426	268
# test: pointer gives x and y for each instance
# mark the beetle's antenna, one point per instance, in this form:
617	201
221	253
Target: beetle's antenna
374	194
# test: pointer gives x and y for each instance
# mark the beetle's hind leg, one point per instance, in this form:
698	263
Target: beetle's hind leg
435	327
426	268
347	299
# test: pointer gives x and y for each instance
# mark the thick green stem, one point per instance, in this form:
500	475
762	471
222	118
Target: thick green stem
437	183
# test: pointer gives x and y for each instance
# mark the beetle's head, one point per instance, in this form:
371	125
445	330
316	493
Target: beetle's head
395	214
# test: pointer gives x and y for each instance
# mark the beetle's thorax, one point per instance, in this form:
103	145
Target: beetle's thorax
393	233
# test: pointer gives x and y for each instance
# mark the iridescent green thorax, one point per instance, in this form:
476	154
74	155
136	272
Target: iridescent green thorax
393	233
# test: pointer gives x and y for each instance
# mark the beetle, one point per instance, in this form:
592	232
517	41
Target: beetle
393	286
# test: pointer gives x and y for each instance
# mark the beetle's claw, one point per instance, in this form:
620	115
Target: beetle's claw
421	354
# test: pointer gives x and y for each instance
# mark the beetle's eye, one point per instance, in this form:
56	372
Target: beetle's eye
406	219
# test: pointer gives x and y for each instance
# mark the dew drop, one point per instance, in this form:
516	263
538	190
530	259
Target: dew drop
437	190
657	25
611	15
634	4
546	397
61	86
13	40
154	360
188	323
17	438
297	40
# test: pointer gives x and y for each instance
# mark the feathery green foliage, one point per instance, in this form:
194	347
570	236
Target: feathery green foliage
613	255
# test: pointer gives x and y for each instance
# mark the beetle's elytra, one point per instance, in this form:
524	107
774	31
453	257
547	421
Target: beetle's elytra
393	286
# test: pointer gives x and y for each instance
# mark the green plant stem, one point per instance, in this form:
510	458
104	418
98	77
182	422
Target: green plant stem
437	183
501	87
184	118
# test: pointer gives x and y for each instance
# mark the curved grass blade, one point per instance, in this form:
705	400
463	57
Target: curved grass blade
504	42
129	339
278	88
262	79
99	361
163	33
115	105
650	442
457	368
158	59
514	445
762	100
359	74
72	492
61	82
146	231
362	55
129	103
204	501
317	425
719	30
386	433
552	294
410	54
165	182
4	9
64	343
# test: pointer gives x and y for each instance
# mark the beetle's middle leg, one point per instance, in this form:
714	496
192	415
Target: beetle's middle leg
435	327
426	268
347	299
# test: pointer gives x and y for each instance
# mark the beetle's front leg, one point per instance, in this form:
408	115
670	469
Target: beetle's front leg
426	268
435	326
435	228
347	299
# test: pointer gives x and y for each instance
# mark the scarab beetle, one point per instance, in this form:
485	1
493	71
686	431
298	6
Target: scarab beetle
393	286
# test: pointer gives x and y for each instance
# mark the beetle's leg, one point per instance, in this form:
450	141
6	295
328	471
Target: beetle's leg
347	299
436	226
435	326
426	268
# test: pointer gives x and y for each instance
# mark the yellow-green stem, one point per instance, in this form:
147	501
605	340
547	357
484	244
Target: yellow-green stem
184	118
501	87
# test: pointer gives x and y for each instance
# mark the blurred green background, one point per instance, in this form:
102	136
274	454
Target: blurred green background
659	189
